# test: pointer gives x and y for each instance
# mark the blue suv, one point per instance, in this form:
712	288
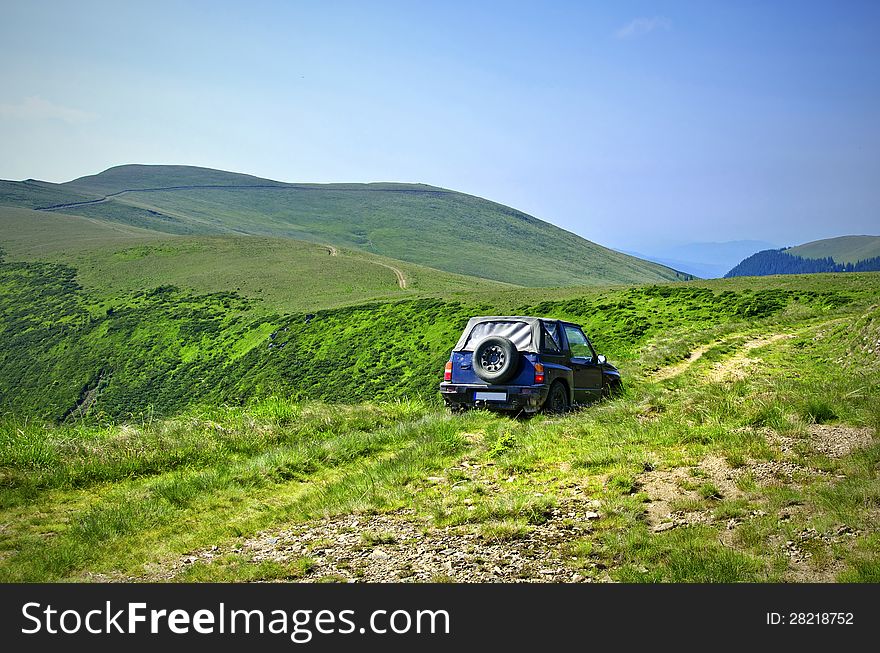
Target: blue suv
524	364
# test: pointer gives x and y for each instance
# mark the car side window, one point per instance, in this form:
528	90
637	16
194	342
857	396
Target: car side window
551	337
577	342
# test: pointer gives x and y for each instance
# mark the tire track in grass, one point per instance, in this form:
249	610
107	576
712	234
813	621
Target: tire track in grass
737	366
401	279
674	370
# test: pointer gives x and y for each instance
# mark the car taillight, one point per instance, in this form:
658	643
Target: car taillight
539	373
447	372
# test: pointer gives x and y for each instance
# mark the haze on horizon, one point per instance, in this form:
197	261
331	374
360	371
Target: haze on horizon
636	125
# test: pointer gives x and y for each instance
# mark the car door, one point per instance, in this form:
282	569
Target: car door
584	364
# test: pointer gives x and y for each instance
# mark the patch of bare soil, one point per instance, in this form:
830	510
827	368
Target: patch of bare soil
737	366
838	441
668	487
834	441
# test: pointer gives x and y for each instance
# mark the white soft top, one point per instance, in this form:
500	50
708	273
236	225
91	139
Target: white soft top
524	332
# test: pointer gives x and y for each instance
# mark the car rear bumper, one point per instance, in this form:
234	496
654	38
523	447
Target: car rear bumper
516	397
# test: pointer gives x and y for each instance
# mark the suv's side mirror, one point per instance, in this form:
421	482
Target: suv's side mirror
601	359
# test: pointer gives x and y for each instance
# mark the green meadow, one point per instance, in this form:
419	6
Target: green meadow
157	434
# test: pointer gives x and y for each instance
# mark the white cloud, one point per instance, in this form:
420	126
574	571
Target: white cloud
642	26
36	108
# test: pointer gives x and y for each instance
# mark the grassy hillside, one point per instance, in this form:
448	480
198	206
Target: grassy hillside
38	235
278	274
421	224
745	447
165	347
32	194
844	249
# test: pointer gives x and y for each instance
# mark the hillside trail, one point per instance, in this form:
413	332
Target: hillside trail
398	273
401	280
333	251
737	366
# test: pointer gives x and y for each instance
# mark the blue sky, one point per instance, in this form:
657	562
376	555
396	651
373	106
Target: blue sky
633	124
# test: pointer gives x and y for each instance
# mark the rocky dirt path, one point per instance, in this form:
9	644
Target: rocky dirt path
400	547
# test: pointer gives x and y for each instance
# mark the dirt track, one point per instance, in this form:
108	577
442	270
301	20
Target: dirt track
401	280
737	366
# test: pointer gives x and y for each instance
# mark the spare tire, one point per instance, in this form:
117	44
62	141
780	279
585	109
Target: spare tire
495	359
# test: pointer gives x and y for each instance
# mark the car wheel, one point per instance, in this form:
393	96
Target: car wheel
495	359
611	389
557	399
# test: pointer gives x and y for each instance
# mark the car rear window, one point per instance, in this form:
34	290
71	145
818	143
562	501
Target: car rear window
551	337
519	333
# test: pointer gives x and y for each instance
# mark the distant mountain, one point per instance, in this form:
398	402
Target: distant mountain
431	226
843	249
850	254
708	260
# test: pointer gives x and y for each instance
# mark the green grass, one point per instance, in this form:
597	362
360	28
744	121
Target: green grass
237	568
277	274
420	224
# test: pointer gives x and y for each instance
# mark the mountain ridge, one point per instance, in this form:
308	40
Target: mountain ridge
417	223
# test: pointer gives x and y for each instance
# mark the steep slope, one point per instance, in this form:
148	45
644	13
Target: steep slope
421	224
